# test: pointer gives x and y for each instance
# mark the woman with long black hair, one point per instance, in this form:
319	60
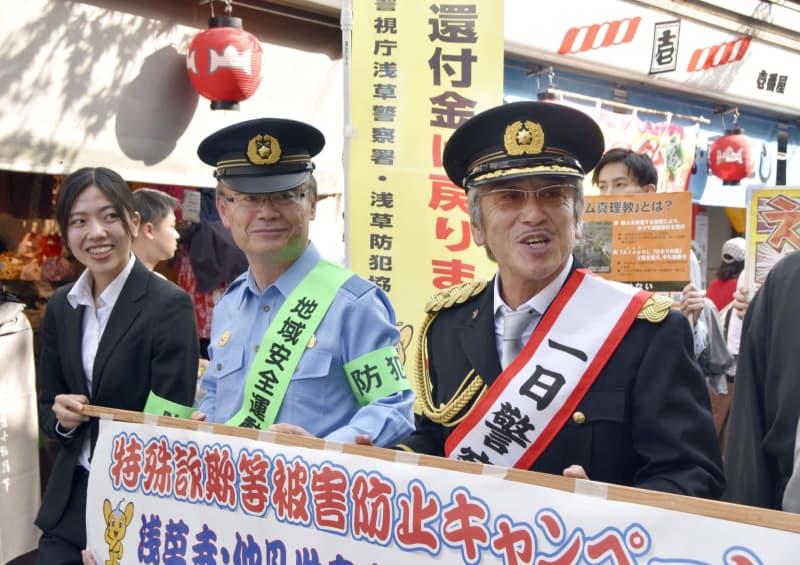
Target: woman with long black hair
110	339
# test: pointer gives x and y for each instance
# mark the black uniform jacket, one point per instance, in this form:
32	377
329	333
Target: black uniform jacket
149	343
647	419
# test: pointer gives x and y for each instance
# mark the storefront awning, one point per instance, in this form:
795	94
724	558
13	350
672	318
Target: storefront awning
88	85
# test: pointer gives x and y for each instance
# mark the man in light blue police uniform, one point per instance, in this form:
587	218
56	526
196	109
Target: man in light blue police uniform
298	345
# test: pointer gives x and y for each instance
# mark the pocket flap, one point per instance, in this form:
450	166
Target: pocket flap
314	364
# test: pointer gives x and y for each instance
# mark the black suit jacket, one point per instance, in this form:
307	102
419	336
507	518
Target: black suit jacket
149	343
766	407
647	421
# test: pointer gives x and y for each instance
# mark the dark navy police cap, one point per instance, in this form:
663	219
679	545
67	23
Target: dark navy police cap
262	155
523	139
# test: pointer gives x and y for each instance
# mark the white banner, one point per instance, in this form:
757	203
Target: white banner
160	495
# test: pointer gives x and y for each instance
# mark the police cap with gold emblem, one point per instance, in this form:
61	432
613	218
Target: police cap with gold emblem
522	139
262	155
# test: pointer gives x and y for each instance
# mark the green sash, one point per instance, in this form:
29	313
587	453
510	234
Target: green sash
284	343
376	375
372	376
165	407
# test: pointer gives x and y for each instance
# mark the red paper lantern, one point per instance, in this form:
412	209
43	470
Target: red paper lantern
224	63
729	157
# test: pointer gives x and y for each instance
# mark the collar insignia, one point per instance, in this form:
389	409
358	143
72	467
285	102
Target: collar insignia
263	150
523	138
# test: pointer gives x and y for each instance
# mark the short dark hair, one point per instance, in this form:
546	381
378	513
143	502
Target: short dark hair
639	164
108	182
727	271
154	205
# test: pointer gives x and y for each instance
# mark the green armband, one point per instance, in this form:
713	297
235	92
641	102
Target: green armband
377	374
163	407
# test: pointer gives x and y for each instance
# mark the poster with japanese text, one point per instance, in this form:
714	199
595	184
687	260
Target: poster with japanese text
419	69
162	495
773	230
642	239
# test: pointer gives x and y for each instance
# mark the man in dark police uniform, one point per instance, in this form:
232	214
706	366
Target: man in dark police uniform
547	367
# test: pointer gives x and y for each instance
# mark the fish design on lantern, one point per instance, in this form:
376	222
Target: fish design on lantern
230	58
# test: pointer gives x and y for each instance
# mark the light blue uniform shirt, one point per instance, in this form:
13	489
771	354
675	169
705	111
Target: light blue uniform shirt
319	398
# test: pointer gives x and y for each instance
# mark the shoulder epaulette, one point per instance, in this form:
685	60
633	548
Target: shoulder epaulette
357	286
655	309
454	295
472	386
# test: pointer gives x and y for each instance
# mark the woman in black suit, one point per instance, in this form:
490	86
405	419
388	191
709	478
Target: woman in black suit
110	339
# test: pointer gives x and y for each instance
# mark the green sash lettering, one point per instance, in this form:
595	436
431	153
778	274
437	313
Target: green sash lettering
377	374
284	343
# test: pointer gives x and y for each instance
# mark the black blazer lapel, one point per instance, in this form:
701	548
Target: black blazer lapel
126	310
73	334
477	337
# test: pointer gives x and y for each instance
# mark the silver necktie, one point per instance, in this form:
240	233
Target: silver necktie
514	324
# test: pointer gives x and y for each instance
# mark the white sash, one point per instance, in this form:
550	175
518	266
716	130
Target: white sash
535	395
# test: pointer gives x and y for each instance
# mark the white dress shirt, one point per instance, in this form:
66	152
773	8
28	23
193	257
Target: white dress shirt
539	302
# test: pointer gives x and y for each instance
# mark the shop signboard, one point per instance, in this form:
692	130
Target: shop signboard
634	41
773	230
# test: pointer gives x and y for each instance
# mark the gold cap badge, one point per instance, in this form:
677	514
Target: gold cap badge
263	149
523	138
223	339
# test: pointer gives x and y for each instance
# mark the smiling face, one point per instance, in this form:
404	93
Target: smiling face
272	232
97	237
530	237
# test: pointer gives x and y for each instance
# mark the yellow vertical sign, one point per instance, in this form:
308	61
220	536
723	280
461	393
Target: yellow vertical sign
773	216
419	70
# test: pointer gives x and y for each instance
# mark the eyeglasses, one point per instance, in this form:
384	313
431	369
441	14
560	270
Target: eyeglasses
552	195
251	202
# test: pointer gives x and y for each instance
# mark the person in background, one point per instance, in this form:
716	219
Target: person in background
298	345
623	171
721	288
732	316
157	238
531	350
115	337
766	407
